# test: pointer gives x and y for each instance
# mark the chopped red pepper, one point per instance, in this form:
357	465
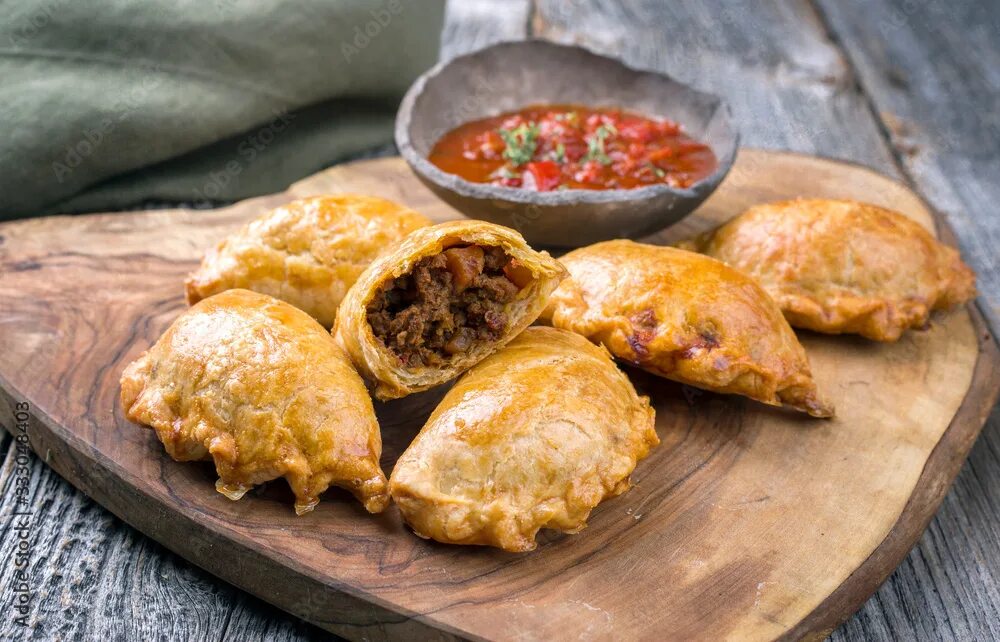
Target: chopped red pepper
546	175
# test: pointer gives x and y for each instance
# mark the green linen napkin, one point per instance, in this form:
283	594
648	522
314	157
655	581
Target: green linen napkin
106	103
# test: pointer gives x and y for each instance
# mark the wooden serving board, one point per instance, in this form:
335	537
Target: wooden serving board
747	522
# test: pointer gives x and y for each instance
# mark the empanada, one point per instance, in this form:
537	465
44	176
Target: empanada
262	389
444	299
308	252
686	317
534	436
843	266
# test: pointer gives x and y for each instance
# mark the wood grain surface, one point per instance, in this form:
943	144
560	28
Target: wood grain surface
901	86
762	523
907	88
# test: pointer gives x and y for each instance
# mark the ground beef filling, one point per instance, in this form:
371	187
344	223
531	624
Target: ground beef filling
446	303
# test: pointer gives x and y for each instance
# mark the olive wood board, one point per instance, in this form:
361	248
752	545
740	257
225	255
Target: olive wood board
747	522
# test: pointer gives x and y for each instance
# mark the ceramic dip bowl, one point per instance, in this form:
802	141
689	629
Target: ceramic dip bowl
511	75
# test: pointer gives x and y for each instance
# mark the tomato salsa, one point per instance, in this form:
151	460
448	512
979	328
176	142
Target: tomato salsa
550	147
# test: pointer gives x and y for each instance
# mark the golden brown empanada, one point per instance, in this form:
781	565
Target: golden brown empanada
843	266
534	436
307	253
686	317
262	389
444	299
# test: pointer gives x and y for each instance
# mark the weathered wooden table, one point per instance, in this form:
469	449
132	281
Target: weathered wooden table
909	88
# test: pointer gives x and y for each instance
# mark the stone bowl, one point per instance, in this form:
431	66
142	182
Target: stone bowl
511	75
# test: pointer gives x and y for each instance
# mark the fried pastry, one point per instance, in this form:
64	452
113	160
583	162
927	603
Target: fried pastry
448	296
263	390
308	252
843	266
685	317
534	436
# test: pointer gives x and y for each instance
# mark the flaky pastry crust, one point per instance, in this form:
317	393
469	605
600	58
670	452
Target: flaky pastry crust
263	390
841	266
686	317
534	436
380	365
308	252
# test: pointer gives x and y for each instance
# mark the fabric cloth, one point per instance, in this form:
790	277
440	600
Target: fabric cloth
106	103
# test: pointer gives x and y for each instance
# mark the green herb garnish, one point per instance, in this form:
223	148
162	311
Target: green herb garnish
559	154
521	143
595	145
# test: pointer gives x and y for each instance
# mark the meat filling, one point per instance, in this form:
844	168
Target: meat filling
446	303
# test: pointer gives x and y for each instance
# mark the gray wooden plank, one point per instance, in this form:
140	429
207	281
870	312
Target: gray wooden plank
791	85
254	620
932	70
948	588
474	24
90	576
788	84
93	577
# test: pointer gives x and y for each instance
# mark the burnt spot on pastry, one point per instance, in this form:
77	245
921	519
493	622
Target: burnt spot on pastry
643	332
447	303
638	343
646	319
706	341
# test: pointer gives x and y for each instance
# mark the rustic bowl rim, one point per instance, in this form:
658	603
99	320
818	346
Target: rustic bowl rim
571	196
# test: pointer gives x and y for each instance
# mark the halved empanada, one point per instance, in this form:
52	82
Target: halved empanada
308	252
843	266
686	317
534	436
444	299
262	389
